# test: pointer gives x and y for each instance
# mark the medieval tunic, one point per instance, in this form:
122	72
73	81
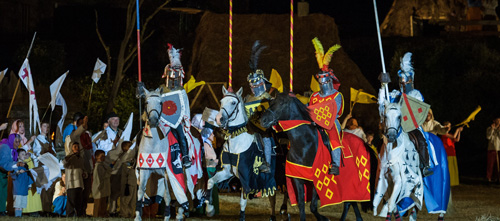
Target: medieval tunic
493	136
101	188
74	183
34	200
128	184
6	164
449	146
334	133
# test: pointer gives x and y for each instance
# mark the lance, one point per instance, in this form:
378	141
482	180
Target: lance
19	80
139	93
384	76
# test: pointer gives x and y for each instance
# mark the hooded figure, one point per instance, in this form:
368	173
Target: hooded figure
12	144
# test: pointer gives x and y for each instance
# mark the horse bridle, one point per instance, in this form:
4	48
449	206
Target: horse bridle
148	113
235	110
398	130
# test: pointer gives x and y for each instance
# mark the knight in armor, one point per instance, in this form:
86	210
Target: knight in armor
406	79
174	75
257	102
329	85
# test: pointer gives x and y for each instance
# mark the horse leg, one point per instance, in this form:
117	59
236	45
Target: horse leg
299	185
243	205
284	207
356	211
413	214
396	176
272	201
167	198
314	206
219	176
345	211
143	179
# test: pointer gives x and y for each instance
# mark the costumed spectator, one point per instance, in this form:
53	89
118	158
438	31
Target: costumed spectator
449	141
34	202
107	141
82	136
174	75
369	141
128	194
60	199
18	128
489	14
350	125
3	126
433	126
13	141
96	136
256	103
21	181
493	136
329	92
101	186
72	126
73	163
42	143
6	165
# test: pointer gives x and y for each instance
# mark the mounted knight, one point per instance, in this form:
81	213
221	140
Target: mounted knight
257	102
414	112
328	103
177	114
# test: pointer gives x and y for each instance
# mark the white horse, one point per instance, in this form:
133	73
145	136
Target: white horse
154	150
399	169
232	116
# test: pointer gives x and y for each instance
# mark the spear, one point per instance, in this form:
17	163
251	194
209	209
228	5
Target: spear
384	76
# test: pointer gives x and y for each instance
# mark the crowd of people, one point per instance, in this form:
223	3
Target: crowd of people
86	171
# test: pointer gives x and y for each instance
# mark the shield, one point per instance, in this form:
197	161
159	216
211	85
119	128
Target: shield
254	110
324	114
413	112
173	108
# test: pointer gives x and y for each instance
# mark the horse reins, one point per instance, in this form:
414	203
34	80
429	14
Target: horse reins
148	113
235	110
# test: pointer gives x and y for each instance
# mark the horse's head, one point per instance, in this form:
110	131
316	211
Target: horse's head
284	107
392	119
153	106
232	111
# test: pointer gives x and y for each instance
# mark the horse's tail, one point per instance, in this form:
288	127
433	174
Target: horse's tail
366	206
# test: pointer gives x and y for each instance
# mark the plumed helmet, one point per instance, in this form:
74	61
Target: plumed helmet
256	79
326	78
406	73
174	72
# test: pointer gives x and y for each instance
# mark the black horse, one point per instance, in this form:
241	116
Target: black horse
303	147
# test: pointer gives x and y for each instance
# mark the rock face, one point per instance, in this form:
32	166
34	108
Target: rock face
210	59
398	22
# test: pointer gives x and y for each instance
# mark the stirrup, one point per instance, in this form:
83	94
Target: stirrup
334	170
427	171
265	168
186	162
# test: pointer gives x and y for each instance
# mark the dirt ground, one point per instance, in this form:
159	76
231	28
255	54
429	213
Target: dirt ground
470	202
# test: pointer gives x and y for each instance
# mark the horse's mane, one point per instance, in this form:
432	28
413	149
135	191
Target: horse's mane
302	109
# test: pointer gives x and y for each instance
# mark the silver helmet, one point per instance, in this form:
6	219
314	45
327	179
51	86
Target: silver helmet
174	72
406	74
258	83
328	82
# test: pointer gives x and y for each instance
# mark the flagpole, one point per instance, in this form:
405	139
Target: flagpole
90	96
19	80
139	57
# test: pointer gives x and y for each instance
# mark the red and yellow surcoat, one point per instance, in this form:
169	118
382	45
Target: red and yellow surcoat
322	113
